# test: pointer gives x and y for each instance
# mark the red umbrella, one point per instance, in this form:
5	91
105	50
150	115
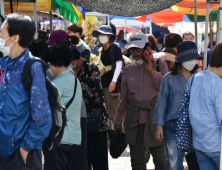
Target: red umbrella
165	16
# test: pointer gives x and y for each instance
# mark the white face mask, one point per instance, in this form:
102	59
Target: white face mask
140	62
189	65
103	39
72	66
5	50
50	71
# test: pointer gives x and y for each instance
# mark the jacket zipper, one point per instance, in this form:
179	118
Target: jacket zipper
12	141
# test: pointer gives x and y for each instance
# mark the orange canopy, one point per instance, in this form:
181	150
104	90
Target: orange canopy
165	16
187	7
201	4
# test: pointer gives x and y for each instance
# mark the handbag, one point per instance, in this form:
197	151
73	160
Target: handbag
184	129
103	69
117	143
93	122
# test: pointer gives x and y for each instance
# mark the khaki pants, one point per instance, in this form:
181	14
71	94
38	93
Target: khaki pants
138	152
112	104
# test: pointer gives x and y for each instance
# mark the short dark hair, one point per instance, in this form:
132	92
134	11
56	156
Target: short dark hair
74	39
22	25
75	28
216	56
187	33
175	66
172	40
75	53
38	47
59	55
152	41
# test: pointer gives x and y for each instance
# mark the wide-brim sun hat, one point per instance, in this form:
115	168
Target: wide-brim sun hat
138	40
187	51
104	29
57	36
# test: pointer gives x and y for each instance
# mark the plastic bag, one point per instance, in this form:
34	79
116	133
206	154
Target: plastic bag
117	143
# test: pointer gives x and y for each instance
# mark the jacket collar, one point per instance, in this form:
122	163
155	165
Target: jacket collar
16	62
169	50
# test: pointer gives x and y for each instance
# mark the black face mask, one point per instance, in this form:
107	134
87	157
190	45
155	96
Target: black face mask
160	41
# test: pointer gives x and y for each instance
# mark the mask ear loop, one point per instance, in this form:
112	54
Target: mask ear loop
6	40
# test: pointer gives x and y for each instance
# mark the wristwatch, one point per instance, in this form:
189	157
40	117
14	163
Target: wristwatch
151	71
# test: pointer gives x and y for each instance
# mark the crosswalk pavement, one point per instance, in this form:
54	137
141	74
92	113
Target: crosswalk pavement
123	162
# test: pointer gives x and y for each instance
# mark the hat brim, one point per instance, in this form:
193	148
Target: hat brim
96	33
122	45
49	42
136	45
161	36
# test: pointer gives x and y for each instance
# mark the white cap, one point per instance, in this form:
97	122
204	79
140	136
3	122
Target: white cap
138	40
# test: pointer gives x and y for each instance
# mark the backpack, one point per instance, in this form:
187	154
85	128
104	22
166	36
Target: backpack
58	111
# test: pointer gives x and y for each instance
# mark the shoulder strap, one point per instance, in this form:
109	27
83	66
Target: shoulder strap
191	83
71	100
112	57
179	80
157	65
26	75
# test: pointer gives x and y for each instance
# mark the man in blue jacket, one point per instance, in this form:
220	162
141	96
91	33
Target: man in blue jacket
25	121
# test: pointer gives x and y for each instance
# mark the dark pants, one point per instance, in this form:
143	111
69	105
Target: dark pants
138	153
79	161
98	151
112	105
191	159
60	158
15	162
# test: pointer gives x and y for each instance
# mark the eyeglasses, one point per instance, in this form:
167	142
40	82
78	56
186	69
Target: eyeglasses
134	48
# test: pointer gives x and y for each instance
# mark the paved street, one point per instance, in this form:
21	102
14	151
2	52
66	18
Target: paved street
123	162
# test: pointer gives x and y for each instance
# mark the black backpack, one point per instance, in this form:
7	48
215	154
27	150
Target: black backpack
58	111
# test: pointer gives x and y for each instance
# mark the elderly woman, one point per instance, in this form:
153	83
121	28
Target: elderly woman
172	88
60	56
140	87
90	79
110	77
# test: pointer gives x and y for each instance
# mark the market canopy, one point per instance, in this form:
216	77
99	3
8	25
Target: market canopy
21	6
126	8
165	16
214	15
67	10
187	7
130	22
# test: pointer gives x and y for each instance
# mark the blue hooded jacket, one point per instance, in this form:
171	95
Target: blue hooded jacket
17	128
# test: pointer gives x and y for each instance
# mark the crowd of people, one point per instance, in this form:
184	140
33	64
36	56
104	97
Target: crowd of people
135	87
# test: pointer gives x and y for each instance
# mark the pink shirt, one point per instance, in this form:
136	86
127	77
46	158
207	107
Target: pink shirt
138	81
